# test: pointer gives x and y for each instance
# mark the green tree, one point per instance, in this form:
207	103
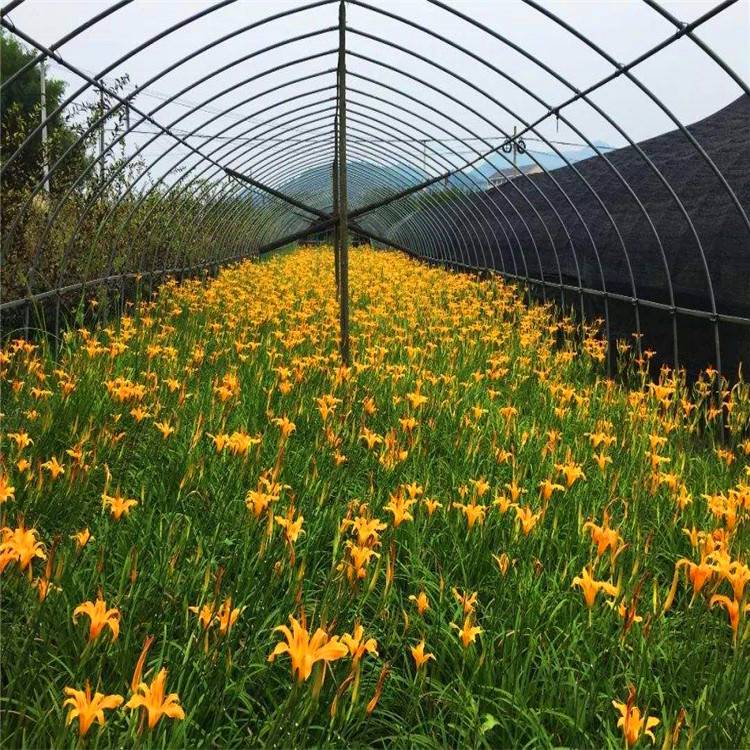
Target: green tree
20	111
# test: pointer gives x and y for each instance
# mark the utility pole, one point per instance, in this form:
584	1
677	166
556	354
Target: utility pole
343	208
45	146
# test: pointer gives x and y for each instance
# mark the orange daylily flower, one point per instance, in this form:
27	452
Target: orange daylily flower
118	505
480	486
54	467
76	454
605	537
408	424
733	607
515	491
100	617
304	650
602	459
239	443
590	587
20	545
205	614
292	527
356	565
738	576
226	616
600	438
467	633
369	406
82	538
7	492
399	506
632	723
21	439
165	428
327	405
139	413
358	645
420	657
285	425
527	518
371	438
699	573
87	708
421	602
367	529
413	490
258	501
504	503
474	512
416	399
153	701
571	471
547	487
503	562
466	600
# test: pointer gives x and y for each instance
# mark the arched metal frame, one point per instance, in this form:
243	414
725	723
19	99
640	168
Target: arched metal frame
256	185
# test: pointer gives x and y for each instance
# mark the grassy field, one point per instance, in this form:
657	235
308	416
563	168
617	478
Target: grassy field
470	538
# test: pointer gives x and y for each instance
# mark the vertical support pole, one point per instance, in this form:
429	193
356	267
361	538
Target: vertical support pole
43	103
335	201
343	209
101	136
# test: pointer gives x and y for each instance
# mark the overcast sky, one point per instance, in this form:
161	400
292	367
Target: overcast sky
691	85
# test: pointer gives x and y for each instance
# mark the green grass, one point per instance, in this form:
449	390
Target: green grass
544	670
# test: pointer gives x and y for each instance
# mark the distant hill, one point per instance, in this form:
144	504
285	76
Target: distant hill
369	181
546	159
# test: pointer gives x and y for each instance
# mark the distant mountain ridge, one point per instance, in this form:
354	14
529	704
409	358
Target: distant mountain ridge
545	159
368	179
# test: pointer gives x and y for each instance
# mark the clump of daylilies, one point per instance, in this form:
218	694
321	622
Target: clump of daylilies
306	649
150	697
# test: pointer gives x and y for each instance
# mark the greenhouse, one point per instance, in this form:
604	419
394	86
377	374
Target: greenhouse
374	373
